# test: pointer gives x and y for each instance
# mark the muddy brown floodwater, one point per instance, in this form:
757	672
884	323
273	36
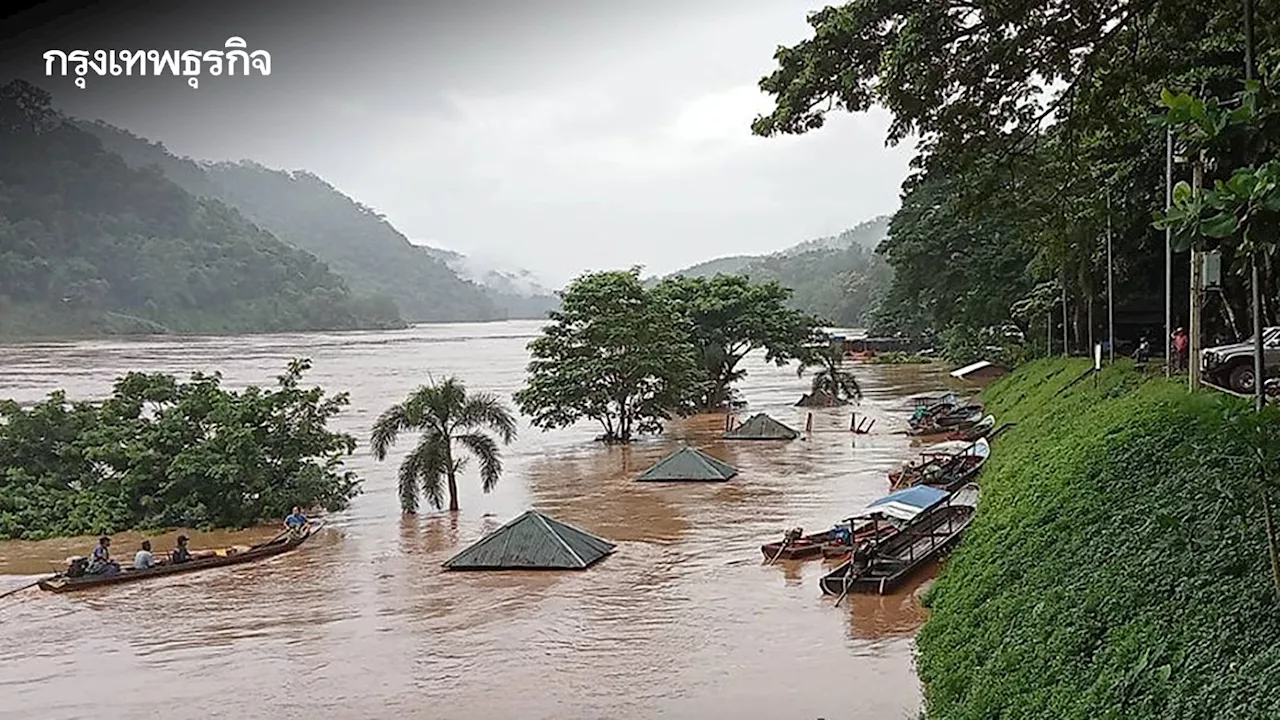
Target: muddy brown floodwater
684	621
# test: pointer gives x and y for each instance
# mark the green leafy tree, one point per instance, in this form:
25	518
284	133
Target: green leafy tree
1010	176
162	453
446	414
615	353
730	316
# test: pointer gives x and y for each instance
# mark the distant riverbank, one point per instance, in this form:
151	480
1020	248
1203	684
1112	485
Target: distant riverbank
1118	565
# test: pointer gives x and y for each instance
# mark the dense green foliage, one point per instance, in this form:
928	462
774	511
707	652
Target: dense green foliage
728	317
88	245
359	244
614	353
839	279
1118	565
445	413
162	453
1034	127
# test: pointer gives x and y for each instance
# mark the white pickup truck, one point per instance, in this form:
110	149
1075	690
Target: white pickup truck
1231	366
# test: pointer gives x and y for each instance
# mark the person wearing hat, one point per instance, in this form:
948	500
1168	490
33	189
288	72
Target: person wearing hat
180	554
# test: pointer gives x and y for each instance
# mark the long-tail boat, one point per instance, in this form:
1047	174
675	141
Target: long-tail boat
982	429
947	465
899	508
882	567
201	560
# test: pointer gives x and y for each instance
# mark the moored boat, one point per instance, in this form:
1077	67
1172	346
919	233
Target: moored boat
980	430
947	465
808	546
205	560
882	567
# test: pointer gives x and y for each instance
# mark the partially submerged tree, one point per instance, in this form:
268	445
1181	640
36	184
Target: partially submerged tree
445	413
729	317
614	353
163	453
831	379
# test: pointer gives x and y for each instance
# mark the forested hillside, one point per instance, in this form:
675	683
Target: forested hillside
89	245
840	279
309	213
1046	128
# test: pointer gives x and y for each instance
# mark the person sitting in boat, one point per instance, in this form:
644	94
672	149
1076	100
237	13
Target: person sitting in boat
180	554
842	535
101	562
862	554
295	521
144	560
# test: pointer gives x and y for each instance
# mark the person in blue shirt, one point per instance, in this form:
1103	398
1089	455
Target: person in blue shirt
295	521
101	562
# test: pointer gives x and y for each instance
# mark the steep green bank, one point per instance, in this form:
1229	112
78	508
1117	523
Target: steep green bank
1117	567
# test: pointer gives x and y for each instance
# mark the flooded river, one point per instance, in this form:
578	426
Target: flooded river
684	620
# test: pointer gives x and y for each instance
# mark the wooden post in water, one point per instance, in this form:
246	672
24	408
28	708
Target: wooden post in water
808	425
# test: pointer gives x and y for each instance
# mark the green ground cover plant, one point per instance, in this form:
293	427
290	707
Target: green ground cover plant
1118	566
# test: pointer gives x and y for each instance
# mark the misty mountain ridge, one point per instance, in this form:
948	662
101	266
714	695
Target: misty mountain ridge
840	278
90	245
357	242
516	291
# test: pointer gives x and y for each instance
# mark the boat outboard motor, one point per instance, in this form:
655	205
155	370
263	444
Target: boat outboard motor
77	566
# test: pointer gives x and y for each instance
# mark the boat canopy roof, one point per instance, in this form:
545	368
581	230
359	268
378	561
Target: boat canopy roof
969	369
979	447
905	504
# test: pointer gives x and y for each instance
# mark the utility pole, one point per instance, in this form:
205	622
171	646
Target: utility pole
1259	367
1065	351
1168	256
1197	270
1111	291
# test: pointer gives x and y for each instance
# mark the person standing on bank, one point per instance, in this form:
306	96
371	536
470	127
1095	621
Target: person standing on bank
1179	350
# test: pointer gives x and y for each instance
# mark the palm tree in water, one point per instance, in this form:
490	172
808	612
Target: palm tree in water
453	424
831	379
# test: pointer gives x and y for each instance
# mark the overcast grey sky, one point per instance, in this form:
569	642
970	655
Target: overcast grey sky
558	136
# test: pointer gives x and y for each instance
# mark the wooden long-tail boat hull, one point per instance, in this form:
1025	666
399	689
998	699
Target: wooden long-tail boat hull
817	544
62	583
909	550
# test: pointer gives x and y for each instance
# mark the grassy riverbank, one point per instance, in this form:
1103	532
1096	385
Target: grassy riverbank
1118	564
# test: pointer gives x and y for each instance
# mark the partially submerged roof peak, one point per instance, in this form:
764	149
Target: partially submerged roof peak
689	464
533	541
762	427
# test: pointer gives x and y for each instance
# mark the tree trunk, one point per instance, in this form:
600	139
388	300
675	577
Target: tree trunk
452	477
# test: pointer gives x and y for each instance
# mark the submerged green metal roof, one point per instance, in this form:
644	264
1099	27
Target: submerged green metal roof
689	464
533	541
761	427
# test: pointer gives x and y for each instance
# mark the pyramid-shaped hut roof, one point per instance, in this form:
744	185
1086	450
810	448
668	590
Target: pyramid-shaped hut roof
533	541
761	427
689	464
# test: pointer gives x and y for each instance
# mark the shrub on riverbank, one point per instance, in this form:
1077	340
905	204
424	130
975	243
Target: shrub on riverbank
161	453
1118	565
